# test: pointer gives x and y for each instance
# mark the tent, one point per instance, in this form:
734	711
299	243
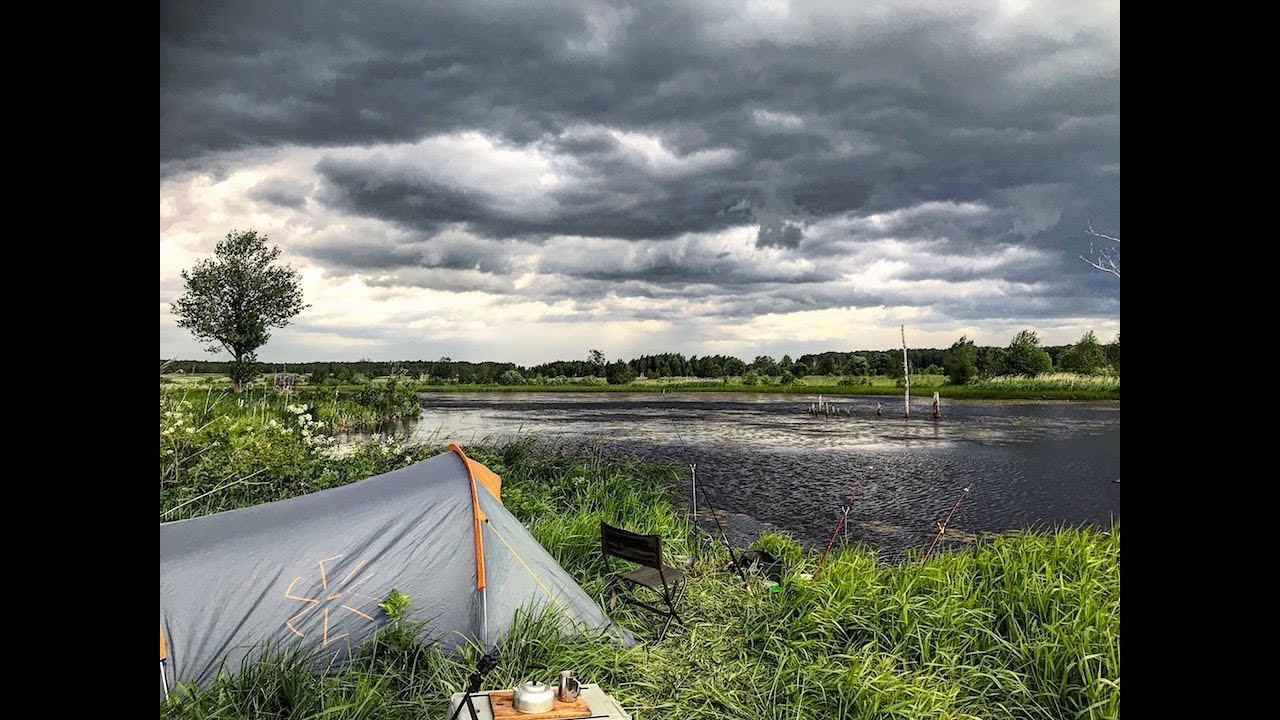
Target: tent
310	571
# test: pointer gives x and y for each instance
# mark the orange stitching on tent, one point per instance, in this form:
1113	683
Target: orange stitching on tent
353	572
324	582
289	594
357	612
289	590
289	623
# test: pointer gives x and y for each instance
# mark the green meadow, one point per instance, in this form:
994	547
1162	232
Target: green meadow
1025	625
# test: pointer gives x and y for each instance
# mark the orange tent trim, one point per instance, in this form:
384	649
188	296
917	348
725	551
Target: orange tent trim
477	472
162	653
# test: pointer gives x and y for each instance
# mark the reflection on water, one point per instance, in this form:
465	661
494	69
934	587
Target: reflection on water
769	465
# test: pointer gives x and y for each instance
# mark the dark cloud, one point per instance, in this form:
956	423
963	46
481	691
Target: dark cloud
779	233
951	130
343	255
415	202
283	191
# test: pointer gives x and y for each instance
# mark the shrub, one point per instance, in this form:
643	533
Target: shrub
511	377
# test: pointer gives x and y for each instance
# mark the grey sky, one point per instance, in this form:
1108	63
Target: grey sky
711	177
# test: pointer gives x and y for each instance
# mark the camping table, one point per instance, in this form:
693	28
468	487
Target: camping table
600	704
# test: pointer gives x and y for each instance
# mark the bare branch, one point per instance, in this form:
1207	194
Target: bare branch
1095	233
1105	264
1107	259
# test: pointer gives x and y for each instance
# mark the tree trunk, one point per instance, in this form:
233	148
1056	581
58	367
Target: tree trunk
237	374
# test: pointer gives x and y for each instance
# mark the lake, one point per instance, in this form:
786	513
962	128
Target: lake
767	464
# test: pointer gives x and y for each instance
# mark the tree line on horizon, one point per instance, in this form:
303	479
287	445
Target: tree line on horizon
232	300
962	362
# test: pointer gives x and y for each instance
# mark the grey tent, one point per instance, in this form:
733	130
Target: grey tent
310	571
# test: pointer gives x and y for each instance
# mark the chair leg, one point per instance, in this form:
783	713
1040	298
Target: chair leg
663	634
671	604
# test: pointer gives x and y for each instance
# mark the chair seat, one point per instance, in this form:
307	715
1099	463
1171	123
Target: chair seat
649	577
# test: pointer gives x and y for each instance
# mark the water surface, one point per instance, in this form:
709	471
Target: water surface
769	465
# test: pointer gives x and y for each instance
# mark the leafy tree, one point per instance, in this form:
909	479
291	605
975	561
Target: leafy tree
1086	357
393	398
787	377
857	365
511	377
597	362
882	363
732	366
319	376
961	361
619	373
764	365
232	299
1024	356
990	362
826	365
893	364
1112	350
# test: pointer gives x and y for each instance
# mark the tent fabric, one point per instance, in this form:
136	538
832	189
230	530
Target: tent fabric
310	571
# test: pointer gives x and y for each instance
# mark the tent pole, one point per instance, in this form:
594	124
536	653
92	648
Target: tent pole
164	681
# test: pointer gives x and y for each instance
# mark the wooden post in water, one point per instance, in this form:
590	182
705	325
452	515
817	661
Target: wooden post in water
906	376
937	406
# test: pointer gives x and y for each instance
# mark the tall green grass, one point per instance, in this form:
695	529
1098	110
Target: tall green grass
221	451
1020	626
1054	381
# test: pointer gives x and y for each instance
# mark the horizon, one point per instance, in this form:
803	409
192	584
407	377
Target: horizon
745	359
530	182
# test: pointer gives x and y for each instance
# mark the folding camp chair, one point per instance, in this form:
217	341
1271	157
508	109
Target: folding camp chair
667	582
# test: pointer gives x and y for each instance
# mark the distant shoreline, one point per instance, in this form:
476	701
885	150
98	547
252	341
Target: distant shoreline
920	394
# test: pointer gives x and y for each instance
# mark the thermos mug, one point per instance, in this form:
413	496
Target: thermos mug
569	689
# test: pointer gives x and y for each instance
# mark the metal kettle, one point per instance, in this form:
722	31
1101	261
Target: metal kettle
533	697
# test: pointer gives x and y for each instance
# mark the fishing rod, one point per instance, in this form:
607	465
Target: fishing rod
843	516
943	527
715	514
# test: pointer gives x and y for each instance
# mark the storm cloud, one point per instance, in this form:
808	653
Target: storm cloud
622	162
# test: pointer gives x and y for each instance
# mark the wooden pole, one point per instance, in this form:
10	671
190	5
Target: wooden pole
906	375
937	406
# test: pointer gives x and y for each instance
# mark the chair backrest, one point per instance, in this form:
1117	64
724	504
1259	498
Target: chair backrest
643	549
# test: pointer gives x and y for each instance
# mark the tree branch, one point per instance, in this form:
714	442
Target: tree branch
1108	261
1095	233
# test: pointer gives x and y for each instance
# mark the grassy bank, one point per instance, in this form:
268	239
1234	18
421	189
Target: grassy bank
220	451
1054	386
1026	626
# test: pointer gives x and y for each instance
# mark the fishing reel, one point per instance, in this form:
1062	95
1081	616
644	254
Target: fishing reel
485	665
